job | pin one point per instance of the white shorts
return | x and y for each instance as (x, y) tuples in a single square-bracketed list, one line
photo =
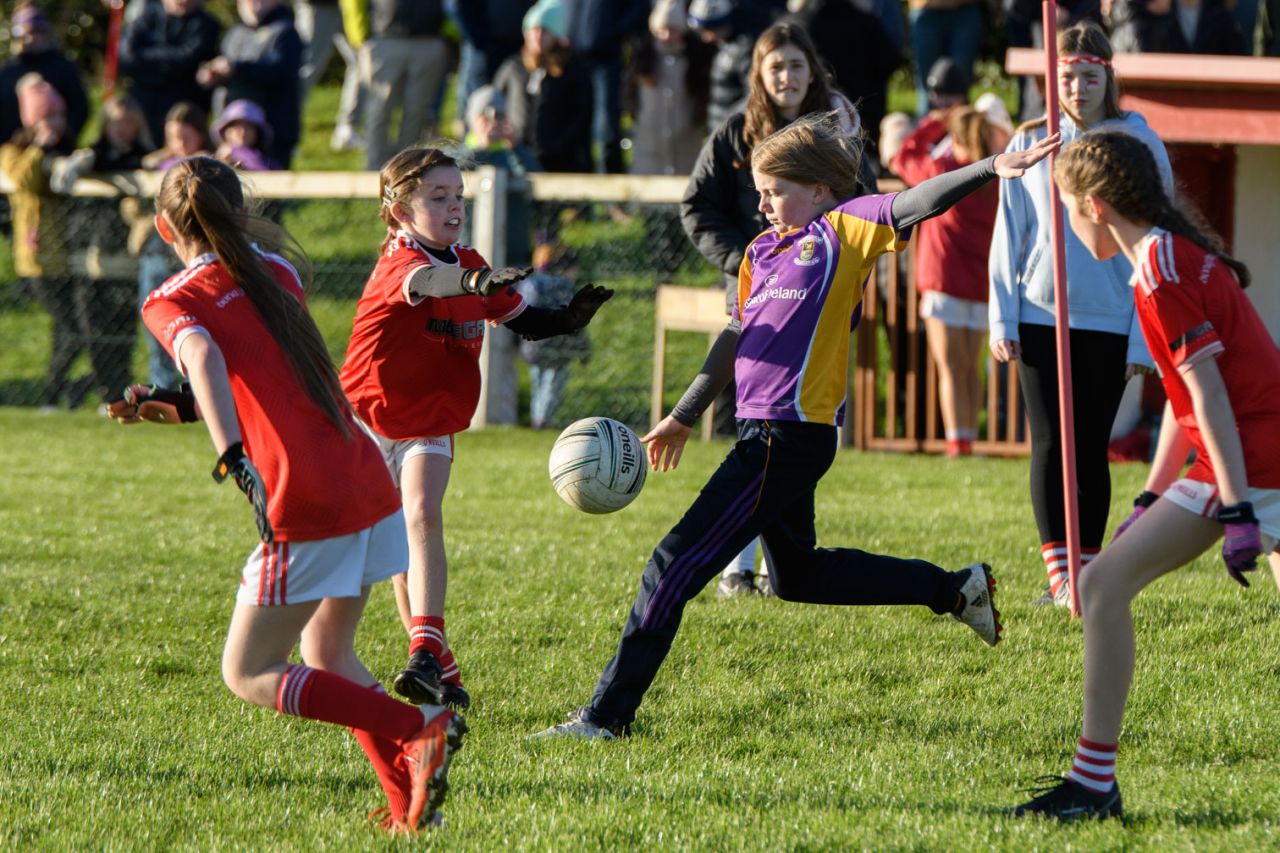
[(1202, 499), (952, 310), (293, 572), (395, 452)]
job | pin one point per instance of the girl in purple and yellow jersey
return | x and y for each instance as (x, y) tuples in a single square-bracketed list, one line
[(799, 294)]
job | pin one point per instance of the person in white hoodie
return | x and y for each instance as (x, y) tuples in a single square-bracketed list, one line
[(1107, 347)]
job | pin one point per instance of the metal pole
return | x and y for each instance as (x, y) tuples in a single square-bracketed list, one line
[(1066, 424)]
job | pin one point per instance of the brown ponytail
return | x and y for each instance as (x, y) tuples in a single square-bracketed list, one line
[(401, 176), (1118, 167), (203, 200)]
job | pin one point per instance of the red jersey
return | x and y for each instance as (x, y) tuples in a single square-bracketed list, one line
[(951, 255), (319, 483), (413, 364), (1191, 308)]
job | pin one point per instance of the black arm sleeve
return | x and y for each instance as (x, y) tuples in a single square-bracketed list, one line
[(534, 324), (939, 193), (714, 377)]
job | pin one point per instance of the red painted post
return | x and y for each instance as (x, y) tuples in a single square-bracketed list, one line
[(1061, 317), (111, 64)]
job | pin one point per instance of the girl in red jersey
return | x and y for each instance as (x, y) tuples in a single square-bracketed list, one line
[(1221, 372), (412, 374), (328, 515)]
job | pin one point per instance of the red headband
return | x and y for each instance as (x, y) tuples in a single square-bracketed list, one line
[(1074, 58)]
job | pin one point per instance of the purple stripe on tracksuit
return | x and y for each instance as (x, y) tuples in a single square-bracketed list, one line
[(678, 575)]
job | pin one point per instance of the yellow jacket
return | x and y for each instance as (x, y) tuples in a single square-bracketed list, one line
[(39, 240)]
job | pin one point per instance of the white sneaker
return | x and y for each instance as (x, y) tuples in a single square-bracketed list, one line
[(577, 726), (979, 611)]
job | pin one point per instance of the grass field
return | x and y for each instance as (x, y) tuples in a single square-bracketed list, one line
[(773, 726)]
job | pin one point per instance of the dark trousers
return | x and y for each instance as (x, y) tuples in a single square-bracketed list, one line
[(57, 295), (764, 487), (1097, 383)]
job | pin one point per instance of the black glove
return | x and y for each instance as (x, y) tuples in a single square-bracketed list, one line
[(234, 463), (152, 403), (486, 282), (586, 302)]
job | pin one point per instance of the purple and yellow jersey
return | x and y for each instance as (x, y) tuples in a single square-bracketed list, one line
[(799, 295)]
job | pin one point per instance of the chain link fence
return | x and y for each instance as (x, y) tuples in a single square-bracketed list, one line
[(71, 336)]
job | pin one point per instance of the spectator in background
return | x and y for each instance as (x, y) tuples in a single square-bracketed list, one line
[(669, 74), (1175, 26), (186, 134), (952, 28), (491, 142), (667, 89), (160, 52), (491, 34), (862, 42), (1026, 21), (105, 272), (1107, 344), (35, 50), (546, 88), (720, 207), (551, 286), (597, 30), (403, 62), (951, 255), (320, 25), (260, 61), (244, 136), (40, 229), (716, 23)]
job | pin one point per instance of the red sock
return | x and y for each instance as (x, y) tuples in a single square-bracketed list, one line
[(385, 755), (319, 695), (1054, 555), (1094, 766), (427, 632), (1087, 556), (450, 671)]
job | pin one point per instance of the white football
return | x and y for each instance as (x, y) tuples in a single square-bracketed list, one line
[(597, 465)]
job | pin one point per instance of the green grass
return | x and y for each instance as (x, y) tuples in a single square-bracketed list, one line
[(772, 726)]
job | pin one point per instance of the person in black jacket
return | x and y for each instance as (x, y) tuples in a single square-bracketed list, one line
[(1175, 26), (160, 52), (34, 49), (546, 89), (720, 208), (260, 62)]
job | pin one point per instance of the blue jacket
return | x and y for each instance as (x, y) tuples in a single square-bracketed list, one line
[(160, 54), (265, 61), (1021, 264)]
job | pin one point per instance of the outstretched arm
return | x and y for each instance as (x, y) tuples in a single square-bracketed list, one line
[(534, 324), (666, 441), (937, 195)]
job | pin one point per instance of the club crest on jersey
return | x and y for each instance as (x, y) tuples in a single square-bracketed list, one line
[(808, 248)]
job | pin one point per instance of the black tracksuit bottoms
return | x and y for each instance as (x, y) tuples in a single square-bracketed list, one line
[(764, 487), (1097, 384)]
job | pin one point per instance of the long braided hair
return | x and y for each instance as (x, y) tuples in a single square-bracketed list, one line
[(1119, 168), (203, 201)]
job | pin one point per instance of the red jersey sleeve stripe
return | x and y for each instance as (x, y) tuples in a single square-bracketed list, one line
[(510, 315)]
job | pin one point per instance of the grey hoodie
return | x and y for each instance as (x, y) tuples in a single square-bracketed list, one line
[(1021, 263)]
